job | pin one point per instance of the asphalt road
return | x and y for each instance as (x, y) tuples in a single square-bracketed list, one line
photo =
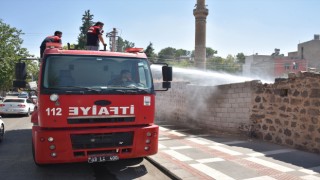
[(16, 161)]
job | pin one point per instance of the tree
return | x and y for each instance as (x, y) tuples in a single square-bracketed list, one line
[(215, 63), (10, 53), (128, 44), (123, 44), (228, 64), (241, 58), (86, 24), (181, 52), (210, 52), (150, 52), (167, 53)]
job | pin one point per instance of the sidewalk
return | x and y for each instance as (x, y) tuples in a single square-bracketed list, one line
[(191, 154)]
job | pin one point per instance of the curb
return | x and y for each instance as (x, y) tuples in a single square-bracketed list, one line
[(163, 169)]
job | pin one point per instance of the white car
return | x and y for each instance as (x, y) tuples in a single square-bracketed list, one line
[(23, 95), (16, 106), (1, 130)]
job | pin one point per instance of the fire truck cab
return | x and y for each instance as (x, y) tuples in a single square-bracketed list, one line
[(88, 112)]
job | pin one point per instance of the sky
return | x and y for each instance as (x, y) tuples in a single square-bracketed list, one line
[(233, 26)]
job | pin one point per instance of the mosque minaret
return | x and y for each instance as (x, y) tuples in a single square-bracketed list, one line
[(200, 13)]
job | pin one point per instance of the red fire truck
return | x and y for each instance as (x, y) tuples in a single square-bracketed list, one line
[(87, 112)]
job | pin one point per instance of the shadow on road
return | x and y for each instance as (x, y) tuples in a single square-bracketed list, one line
[(17, 163)]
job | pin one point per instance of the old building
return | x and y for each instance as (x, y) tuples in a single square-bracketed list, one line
[(310, 51), (259, 67), (276, 65), (283, 65)]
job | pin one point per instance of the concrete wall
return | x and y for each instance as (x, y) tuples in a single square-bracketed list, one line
[(286, 112), (310, 52), (259, 66), (224, 107)]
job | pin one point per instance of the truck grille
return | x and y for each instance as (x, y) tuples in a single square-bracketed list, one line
[(105, 140), (100, 120)]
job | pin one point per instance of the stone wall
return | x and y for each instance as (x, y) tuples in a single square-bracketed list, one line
[(286, 112)]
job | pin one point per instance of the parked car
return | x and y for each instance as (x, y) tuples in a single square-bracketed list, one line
[(23, 95), (1, 98), (16, 106), (12, 94), (1, 130)]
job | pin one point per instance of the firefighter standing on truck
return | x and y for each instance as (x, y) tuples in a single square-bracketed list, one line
[(94, 36), (56, 38)]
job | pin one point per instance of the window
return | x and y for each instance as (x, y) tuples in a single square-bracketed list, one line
[(295, 65), (286, 66), (84, 72)]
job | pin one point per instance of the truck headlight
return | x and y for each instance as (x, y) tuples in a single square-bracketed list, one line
[(50, 139), (54, 97)]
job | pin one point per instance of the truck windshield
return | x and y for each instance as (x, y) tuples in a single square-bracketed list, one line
[(92, 73)]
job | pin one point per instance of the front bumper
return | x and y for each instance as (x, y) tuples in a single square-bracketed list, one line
[(78, 145)]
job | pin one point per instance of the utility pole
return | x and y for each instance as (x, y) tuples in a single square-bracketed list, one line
[(113, 39), (200, 13)]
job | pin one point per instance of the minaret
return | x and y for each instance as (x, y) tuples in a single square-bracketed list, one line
[(200, 13)]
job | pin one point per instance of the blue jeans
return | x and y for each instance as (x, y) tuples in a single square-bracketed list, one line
[(92, 48)]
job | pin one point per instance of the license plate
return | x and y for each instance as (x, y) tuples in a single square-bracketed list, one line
[(93, 159)]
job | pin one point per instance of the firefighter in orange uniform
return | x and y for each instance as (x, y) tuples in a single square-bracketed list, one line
[(56, 38), (94, 36)]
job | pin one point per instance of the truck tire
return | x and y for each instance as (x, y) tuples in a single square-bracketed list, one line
[(28, 113), (1, 132)]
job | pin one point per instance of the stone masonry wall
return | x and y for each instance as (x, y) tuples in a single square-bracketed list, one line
[(287, 112)]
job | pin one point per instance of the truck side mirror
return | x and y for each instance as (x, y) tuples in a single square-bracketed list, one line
[(21, 75), (167, 73), (19, 84), (21, 71), (166, 85), (166, 77)]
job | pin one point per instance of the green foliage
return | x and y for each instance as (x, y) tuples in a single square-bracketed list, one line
[(167, 53), (180, 53), (173, 54), (241, 58), (228, 64), (10, 53), (210, 52), (182, 63), (150, 53), (33, 70), (123, 44), (86, 23), (215, 63)]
